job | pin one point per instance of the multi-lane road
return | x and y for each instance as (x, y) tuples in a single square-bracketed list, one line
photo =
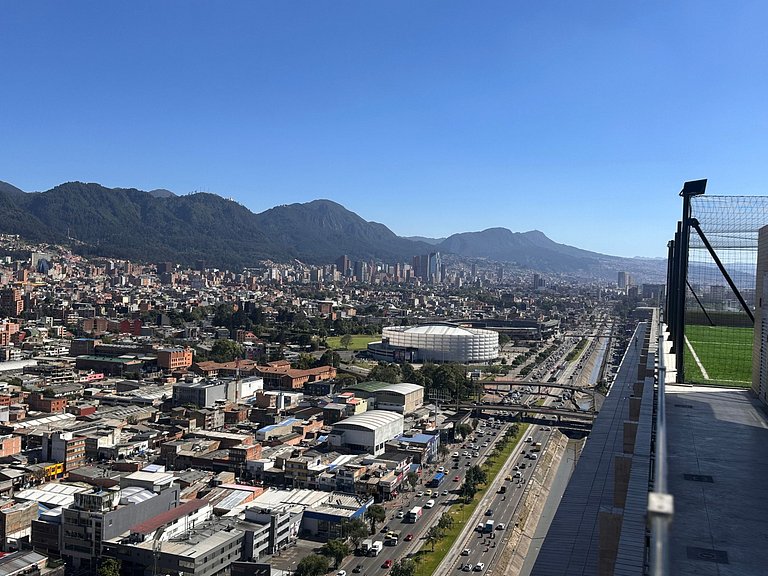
[(501, 506), (454, 469)]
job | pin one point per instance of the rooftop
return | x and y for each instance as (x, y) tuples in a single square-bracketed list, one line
[(371, 419)]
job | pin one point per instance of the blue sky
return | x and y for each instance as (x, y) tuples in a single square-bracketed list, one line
[(580, 119)]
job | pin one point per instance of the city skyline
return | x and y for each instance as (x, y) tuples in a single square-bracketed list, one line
[(432, 119)]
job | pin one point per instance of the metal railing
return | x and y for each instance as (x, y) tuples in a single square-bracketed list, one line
[(660, 503)]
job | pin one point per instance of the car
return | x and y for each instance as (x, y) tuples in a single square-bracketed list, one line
[(467, 567), (441, 469), (445, 492), (408, 537), (500, 526), (534, 457), (456, 479), (358, 569), (489, 512), (401, 514), (455, 455), (465, 552), (341, 573), (419, 494), (428, 493), (387, 564), (479, 567)]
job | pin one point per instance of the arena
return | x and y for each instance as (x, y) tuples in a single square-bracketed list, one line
[(435, 343)]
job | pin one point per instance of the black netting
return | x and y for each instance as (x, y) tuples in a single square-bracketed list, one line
[(718, 330)]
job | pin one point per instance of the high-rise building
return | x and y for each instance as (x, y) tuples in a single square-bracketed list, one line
[(11, 303), (343, 264), (622, 280), (538, 281), (429, 267)]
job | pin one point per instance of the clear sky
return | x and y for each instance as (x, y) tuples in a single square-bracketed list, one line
[(580, 119)]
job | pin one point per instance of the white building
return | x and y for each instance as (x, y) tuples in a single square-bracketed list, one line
[(435, 343), (403, 398), (367, 432)]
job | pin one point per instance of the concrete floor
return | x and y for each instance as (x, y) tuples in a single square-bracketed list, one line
[(718, 474)]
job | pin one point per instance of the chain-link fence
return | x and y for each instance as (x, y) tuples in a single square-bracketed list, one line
[(720, 288)]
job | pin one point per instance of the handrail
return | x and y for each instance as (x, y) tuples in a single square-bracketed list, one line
[(660, 503)]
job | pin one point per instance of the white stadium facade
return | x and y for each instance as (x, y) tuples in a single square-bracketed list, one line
[(435, 343)]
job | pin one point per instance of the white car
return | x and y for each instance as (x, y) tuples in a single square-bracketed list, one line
[(465, 552), (341, 573), (419, 494), (401, 514), (479, 567), (445, 492), (468, 567)]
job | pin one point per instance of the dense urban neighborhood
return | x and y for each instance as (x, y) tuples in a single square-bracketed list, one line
[(288, 418)]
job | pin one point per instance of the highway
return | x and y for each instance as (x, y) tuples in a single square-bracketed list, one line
[(480, 547), (407, 500)]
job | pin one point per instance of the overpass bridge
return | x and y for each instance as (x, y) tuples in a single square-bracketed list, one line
[(496, 383), (524, 410)]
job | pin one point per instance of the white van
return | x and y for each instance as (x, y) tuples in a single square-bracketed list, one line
[(429, 504)]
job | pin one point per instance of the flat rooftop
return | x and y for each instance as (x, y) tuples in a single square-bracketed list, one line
[(718, 465)]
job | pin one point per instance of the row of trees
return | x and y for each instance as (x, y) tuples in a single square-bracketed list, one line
[(449, 380)]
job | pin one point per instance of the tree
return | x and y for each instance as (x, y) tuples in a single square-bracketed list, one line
[(336, 549), (226, 350), (412, 478), (312, 565), (329, 358), (346, 340), (356, 530), (463, 430), (108, 567), (433, 536), (404, 567), (375, 513), (445, 522), (384, 372)]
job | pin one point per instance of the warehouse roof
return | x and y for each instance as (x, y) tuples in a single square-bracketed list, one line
[(402, 388), (371, 420)]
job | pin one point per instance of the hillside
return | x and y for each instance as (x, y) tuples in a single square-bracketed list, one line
[(159, 225)]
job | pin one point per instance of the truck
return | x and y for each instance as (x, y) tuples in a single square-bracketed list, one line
[(488, 528), (414, 513), (376, 547), (365, 547)]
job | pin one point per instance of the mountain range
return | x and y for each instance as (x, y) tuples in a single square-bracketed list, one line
[(159, 225)]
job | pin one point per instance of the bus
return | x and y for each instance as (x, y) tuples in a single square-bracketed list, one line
[(435, 482)]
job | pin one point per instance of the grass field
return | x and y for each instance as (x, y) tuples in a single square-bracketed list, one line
[(725, 353), (359, 342)]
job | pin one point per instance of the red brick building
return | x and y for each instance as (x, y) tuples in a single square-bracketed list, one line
[(132, 327), (174, 358), (42, 403), (7, 330), (10, 446)]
